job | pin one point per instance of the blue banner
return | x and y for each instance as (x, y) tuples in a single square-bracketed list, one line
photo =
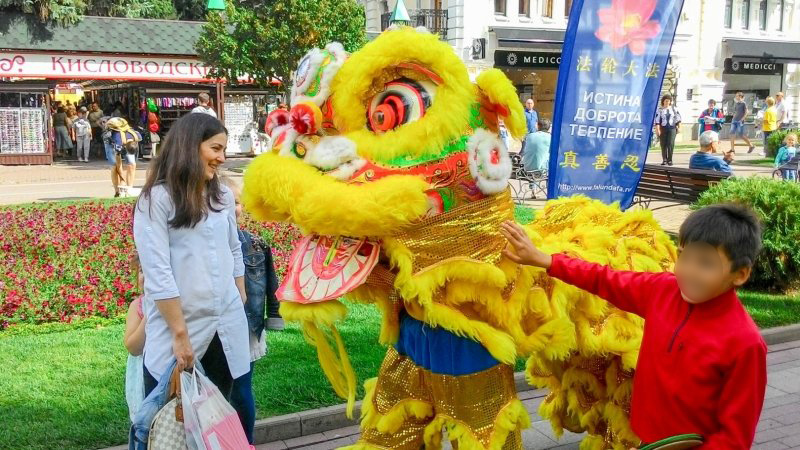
[(609, 83)]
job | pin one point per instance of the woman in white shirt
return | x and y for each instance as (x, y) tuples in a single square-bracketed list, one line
[(186, 236)]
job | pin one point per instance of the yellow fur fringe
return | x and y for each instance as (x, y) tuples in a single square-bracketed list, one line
[(447, 118), (394, 419), (337, 369), (512, 418), (285, 189), (495, 85)]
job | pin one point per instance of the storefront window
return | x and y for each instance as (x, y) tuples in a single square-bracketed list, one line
[(745, 14), (547, 8), (762, 15), (500, 7), (728, 13), (525, 8), (567, 7), (9, 100)]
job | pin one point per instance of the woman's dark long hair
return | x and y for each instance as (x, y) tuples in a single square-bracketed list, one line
[(178, 166)]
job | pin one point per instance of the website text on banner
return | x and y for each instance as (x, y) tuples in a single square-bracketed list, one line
[(612, 66)]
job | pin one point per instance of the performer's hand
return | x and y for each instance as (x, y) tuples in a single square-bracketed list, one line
[(521, 250)]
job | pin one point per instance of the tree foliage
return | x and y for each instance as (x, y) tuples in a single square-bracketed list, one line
[(68, 12), (265, 39)]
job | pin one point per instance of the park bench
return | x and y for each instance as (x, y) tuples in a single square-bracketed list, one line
[(527, 182), (674, 184)]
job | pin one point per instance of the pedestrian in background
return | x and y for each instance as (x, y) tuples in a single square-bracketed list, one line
[(62, 136), (781, 110), (531, 121), (770, 122), (737, 123), (668, 123), (83, 135), (712, 118), (204, 105)]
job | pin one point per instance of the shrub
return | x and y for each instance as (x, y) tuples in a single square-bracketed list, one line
[(777, 203), (68, 261), (775, 141)]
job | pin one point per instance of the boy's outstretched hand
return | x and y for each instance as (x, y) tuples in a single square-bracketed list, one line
[(521, 250)]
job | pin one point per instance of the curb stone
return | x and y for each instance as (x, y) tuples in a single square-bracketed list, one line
[(780, 335), (333, 417), (317, 421)]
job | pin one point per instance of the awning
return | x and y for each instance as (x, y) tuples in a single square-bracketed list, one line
[(763, 50), (528, 38), (100, 35)]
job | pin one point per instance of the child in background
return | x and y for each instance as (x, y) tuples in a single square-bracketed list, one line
[(786, 154), (83, 135), (260, 284), (134, 342), (702, 365)]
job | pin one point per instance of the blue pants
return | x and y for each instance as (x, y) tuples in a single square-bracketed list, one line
[(243, 402)]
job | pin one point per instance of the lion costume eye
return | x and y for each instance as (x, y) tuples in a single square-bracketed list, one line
[(402, 101)]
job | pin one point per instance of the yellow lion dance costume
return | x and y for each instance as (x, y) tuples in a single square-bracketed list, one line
[(391, 163)]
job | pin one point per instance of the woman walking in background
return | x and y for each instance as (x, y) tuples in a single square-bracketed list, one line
[(668, 124), (63, 140)]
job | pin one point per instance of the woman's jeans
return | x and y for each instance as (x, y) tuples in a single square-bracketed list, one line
[(667, 140)]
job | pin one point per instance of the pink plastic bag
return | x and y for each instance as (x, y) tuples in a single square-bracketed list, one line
[(210, 421)]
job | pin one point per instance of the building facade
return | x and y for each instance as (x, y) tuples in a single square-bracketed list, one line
[(721, 47)]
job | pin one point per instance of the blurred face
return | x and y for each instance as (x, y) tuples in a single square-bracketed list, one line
[(667, 102), (212, 154), (711, 105), (95, 107), (704, 273), (529, 103), (778, 98), (140, 280), (237, 194), (791, 141)]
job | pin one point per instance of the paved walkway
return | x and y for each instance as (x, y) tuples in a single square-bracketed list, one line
[(70, 180), (779, 427)]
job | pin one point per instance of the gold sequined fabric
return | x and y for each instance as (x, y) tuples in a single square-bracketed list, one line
[(475, 401), (468, 232)]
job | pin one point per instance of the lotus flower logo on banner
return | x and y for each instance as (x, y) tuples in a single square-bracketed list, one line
[(628, 22)]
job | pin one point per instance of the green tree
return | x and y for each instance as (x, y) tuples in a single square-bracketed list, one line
[(67, 12), (266, 39)]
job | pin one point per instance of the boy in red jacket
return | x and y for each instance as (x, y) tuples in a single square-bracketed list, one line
[(702, 366)]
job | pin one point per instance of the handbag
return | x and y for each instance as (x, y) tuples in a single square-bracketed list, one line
[(167, 431)]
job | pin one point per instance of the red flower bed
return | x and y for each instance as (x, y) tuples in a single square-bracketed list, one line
[(61, 262)]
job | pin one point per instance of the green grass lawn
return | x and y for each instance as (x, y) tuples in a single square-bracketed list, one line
[(65, 390), (761, 162)]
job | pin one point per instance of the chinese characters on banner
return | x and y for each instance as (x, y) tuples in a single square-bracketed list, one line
[(612, 66)]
